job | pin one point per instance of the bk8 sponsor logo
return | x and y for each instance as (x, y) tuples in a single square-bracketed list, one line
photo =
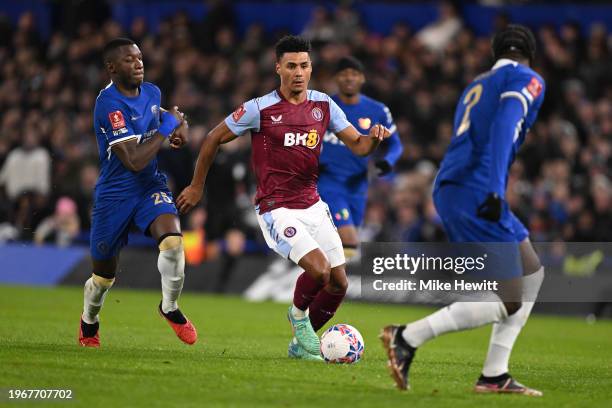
[(310, 139)]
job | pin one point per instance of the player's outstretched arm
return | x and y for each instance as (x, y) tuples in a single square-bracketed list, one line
[(363, 145), (136, 157), (192, 194)]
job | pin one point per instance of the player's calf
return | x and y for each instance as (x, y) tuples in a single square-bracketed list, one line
[(328, 300), (171, 265), (95, 290)]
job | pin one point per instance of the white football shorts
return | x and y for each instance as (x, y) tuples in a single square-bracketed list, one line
[(292, 233)]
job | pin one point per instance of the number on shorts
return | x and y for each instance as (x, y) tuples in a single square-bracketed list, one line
[(161, 197)]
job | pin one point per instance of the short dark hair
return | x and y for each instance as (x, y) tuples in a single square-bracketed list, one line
[(349, 62), (112, 45), (292, 43), (514, 39)]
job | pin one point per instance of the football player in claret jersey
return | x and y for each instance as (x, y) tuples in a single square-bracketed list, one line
[(130, 128), (286, 128), (492, 118), (343, 178)]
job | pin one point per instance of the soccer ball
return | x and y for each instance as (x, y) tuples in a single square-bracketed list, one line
[(342, 344)]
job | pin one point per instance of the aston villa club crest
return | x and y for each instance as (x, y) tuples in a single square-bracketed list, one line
[(290, 232), (364, 123), (317, 114)]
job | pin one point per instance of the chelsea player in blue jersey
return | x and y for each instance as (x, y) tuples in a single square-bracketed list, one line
[(130, 128), (492, 118), (343, 176)]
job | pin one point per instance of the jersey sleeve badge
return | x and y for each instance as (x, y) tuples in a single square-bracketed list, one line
[(534, 87), (364, 123), (116, 120), (238, 113)]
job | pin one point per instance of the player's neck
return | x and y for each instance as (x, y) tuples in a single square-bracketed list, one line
[(293, 97), (127, 90), (349, 99)]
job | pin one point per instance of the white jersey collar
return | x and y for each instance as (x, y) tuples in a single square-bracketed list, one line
[(503, 62)]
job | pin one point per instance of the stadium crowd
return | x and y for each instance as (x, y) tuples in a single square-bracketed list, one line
[(560, 185)]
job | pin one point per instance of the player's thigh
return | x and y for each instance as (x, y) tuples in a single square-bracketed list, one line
[(348, 235), (110, 223), (105, 268), (315, 264), (157, 207), (285, 234), (338, 281), (164, 224), (326, 235), (529, 257)]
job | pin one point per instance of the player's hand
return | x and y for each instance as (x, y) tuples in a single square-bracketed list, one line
[(379, 132), (170, 121), (491, 208), (383, 167), (174, 111), (180, 137), (188, 198)]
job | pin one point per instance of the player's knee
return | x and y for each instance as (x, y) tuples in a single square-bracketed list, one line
[(104, 273), (172, 241), (512, 307), (172, 256), (102, 282), (322, 271), (339, 284)]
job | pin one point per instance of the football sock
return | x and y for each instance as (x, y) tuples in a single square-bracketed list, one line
[(175, 316), (171, 265), (94, 293), (89, 330), (306, 289), (496, 379), (324, 306), (505, 332), (458, 316)]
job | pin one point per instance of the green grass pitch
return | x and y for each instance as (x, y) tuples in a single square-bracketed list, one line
[(240, 358)]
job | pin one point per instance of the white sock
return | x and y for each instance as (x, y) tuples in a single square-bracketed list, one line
[(94, 294), (458, 316), (297, 313), (505, 332), (171, 265)]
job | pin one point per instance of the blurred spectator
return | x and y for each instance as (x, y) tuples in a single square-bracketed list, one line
[(60, 228), (560, 184), (27, 168), (438, 34)]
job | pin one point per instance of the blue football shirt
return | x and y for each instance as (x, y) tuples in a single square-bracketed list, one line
[(344, 171), (492, 118), (118, 118)]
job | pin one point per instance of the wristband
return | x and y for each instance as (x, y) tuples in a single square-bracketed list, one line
[(168, 124)]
